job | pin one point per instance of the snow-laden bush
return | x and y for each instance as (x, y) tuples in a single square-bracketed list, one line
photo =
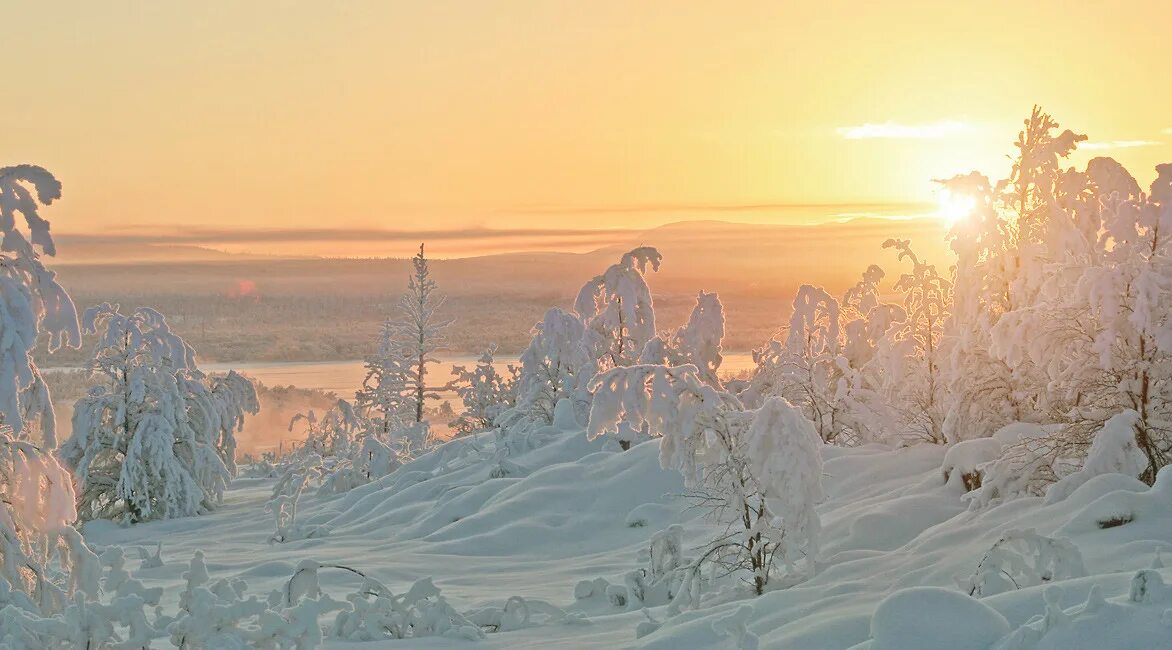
[(384, 399), (343, 450), (556, 365), (829, 362), (657, 582), (376, 613), (612, 323), (759, 470), (1114, 450), (617, 311), (1023, 558), (964, 461), (697, 342), (1032, 459), (286, 499)]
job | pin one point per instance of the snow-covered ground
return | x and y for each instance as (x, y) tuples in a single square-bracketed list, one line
[(890, 522)]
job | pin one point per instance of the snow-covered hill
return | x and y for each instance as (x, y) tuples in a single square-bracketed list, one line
[(571, 511)]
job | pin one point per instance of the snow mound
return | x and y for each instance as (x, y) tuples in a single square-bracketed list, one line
[(930, 618), (1147, 514)]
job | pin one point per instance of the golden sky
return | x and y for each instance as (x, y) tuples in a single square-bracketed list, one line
[(507, 114)]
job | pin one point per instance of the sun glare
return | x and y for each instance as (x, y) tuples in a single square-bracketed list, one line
[(954, 207)]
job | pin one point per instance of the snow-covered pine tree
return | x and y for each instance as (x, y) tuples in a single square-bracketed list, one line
[(384, 399), (421, 330), (36, 493), (484, 392), (617, 309)]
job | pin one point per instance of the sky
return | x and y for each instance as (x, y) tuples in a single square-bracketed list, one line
[(410, 117)]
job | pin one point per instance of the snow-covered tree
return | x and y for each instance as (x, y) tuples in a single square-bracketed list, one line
[(825, 362), (697, 342), (862, 411), (153, 438), (32, 301), (984, 392), (1034, 181), (485, 393), (232, 397), (617, 309), (36, 494), (132, 438), (1129, 296), (760, 470), (912, 363), (421, 331)]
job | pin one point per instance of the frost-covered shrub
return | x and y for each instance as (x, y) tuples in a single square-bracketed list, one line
[(829, 363), (484, 392), (1027, 467), (760, 468), (657, 582), (384, 398), (375, 613), (216, 614), (286, 498), (343, 450), (1023, 558)]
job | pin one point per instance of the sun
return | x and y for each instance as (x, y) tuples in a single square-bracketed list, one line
[(952, 207)]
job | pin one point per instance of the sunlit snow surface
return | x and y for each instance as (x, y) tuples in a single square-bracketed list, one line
[(889, 523)]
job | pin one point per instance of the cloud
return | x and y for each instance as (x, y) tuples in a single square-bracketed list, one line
[(1118, 144), (894, 131)]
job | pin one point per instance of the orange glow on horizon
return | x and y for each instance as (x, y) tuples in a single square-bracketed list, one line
[(450, 115)]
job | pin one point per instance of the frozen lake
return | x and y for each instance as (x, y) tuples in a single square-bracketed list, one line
[(345, 377)]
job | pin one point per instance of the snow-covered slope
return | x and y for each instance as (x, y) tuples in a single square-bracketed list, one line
[(573, 511)]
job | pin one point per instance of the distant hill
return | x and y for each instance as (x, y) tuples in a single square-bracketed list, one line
[(236, 307)]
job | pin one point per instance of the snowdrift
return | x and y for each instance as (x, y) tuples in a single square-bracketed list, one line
[(897, 538)]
